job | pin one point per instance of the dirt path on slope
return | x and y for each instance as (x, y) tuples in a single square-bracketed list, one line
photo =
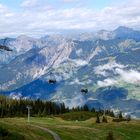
[(55, 136)]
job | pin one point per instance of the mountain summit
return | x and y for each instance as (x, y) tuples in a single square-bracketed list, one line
[(123, 29), (127, 33)]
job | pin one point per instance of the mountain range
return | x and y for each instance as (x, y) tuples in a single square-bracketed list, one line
[(106, 63)]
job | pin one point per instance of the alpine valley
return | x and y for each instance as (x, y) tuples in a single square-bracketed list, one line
[(107, 63)]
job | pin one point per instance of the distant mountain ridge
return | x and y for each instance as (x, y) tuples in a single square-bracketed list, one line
[(107, 63)]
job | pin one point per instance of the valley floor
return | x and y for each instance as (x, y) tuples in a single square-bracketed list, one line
[(69, 130)]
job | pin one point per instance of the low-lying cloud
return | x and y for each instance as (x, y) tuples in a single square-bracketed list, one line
[(129, 76), (102, 70), (120, 72), (76, 81), (107, 82)]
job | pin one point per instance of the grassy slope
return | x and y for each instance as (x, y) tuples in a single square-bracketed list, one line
[(77, 116), (19, 127), (73, 130), (88, 130)]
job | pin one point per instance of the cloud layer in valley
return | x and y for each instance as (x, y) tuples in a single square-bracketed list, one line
[(120, 72)]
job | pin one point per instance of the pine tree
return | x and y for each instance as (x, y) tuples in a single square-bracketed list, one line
[(97, 119), (44, 113), (111, 114), (62, 108), (86, 108), (120, 115), (93, 110), (128, 117)]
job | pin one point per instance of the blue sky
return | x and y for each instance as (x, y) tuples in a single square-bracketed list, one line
[(96, 4), (11, 3), (37, 17)]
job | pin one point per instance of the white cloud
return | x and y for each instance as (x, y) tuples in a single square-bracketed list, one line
[(77, 100), (79, 52), (3, 8), (28, 3), (16, 96), (80, 62), (4, 12), (70, 1), (76, 81), (129, 76), (107, 82), (121, 74), (44, 17), (102, 69)]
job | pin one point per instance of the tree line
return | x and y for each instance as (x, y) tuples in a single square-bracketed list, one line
[(18, 108)]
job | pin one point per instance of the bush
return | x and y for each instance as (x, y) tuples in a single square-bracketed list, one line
[(120, 115), (128, 118), (97, 119), (6, 135), (119, 120), (110, 136), (104, 119), (3, 132)]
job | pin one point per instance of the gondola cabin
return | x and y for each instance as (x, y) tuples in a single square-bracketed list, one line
[(51, 81), (84, 91)]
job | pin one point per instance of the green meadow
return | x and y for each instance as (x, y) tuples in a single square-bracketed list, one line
[(69, 126)]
